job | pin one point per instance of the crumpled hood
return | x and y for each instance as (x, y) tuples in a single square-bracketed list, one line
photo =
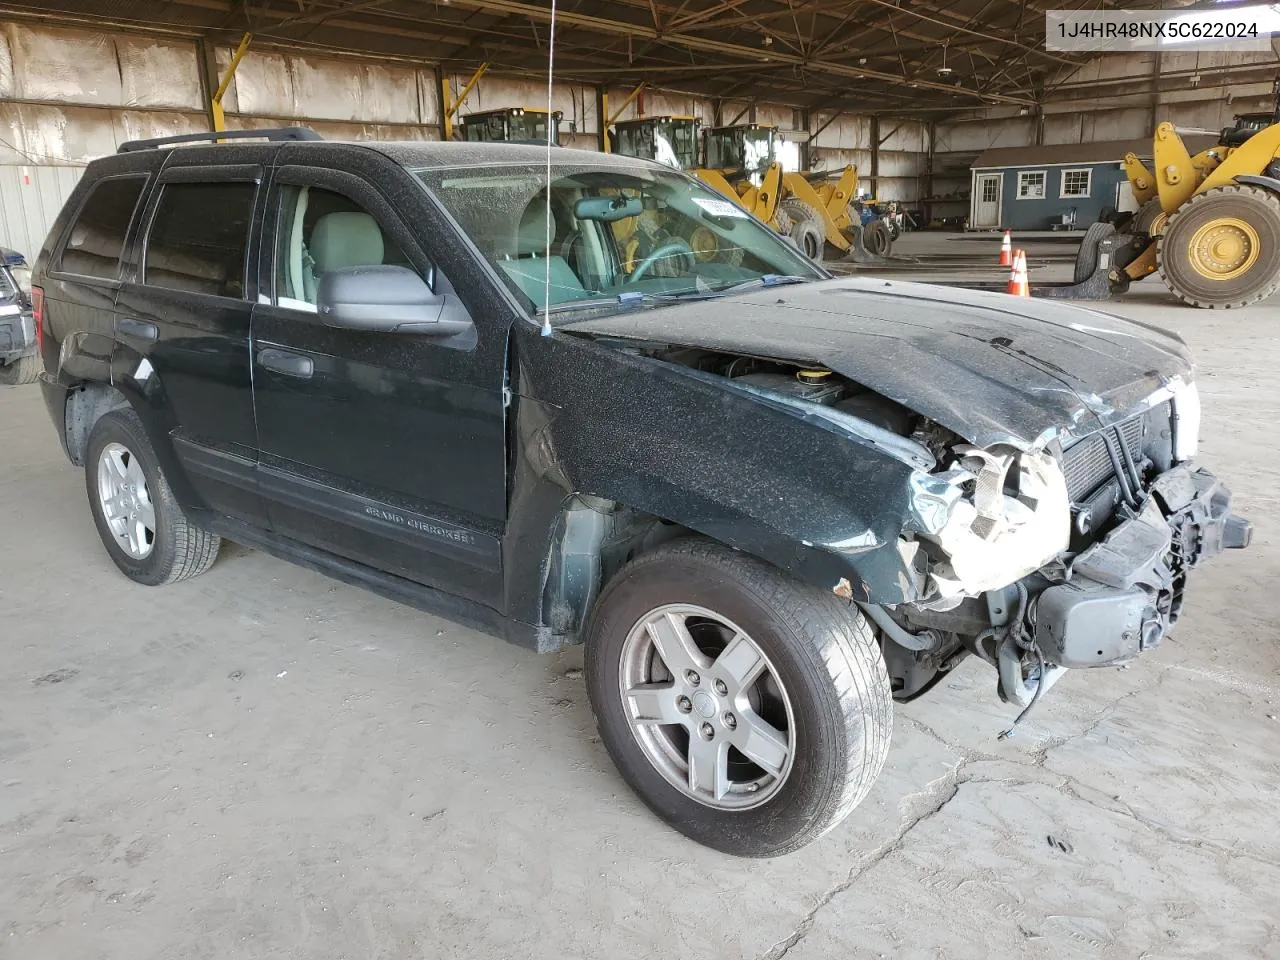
[(992, 368)]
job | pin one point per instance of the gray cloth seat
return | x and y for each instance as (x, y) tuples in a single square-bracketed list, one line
[(340, 240), (529, 268)]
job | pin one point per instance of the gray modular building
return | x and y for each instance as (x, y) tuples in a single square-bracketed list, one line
[(1034, 188)]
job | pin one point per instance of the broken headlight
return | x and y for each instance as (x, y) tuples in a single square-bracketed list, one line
[(1186, 420), (995, 517)]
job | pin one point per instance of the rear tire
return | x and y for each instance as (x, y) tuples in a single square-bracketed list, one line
[(1087, 257), (807, 228), (23, 370), (144, 530), (1221, 249), (817, 658)]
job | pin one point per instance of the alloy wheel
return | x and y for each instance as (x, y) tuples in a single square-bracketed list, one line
[(125, 501), (707, 707)]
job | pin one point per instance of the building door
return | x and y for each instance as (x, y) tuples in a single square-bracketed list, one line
[(986, 204)]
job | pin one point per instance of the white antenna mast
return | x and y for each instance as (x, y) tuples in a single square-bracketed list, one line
[(551, 130)]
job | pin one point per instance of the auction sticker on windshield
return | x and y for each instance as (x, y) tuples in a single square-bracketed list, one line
[(720, 208)]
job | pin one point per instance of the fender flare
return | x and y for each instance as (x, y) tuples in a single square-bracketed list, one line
[(1255, 180)]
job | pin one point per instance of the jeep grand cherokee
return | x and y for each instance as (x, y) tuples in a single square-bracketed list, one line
[(608, 407)]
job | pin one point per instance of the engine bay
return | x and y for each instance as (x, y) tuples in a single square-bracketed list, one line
[(814, 384)]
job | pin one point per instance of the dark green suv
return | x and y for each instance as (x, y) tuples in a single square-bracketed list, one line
[(565, 397)]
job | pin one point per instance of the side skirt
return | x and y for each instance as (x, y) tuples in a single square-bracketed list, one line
[(416, 595)]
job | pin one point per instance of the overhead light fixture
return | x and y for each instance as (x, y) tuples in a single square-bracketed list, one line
[(944, 70)]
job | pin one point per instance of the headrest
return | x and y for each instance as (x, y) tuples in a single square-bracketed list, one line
[(531, 237), (347, 239)]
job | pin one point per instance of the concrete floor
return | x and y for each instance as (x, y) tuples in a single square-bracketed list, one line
[(264, 763)]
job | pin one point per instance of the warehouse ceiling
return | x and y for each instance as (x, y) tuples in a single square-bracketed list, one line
[(890, 55)]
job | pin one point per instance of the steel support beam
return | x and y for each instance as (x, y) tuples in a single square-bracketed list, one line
[(630, 99), (215, 102), (602, 128), (573, 19), (875, 153), (449, 104)]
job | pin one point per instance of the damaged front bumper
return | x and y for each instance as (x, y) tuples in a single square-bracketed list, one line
[(1123, 594), (1103, 605)]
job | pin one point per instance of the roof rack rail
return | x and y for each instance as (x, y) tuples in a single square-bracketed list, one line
[(278, 133)]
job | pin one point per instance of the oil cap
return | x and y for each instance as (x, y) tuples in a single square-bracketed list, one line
[(812, 376)]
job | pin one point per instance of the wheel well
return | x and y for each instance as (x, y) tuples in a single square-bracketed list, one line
[(85, 406), (592, 540)]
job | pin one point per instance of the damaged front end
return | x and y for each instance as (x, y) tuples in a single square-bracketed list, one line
[(1074, 554)]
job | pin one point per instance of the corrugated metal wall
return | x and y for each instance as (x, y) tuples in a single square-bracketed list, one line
[(70, 95), (30, 198)]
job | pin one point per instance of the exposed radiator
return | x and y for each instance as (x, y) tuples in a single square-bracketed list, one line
[(1088, 466)]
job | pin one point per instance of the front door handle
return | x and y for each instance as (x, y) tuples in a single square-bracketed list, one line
[(290, 364), (142, 329)]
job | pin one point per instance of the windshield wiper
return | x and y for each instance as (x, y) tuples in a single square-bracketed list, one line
[(635, 298), (765, 280), (628, 298)]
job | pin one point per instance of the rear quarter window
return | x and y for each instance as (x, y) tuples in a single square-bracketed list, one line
[(97, 236), (199, 238)]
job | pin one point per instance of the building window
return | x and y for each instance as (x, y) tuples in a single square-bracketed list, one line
[(990, 189), (1031, 185), (1076, 183)]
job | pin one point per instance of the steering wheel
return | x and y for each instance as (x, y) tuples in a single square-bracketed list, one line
[(671, 247)]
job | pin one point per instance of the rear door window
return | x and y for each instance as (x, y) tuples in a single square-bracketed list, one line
[(97, 237), (199, 238)]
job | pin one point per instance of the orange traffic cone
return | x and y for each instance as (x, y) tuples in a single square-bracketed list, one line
[(1006, 250), (1018, 285)]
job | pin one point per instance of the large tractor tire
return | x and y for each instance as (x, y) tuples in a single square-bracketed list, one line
[(1221, 249), (1150, 218), (23, 370), (807, 228), (710, 247), (877, 237), (1087, 256)]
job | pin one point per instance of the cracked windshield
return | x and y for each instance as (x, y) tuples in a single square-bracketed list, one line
[(619, 236)]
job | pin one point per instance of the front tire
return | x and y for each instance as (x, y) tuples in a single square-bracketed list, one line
[(749, 711), (1221, 249), (140, 523), (806, 228)]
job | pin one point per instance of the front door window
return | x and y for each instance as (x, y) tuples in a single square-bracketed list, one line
[(321, 230)]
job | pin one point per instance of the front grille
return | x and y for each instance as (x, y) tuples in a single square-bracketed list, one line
[(1087, 465)]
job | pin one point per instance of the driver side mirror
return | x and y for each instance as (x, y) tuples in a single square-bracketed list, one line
[(387, 299)]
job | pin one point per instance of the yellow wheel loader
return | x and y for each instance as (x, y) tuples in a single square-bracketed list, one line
[(741, 162), (670, 138), (1210, 223), (511, 125), (812, 208)]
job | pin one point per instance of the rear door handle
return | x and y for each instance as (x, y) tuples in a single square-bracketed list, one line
[(142, 329), (290, 364)]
